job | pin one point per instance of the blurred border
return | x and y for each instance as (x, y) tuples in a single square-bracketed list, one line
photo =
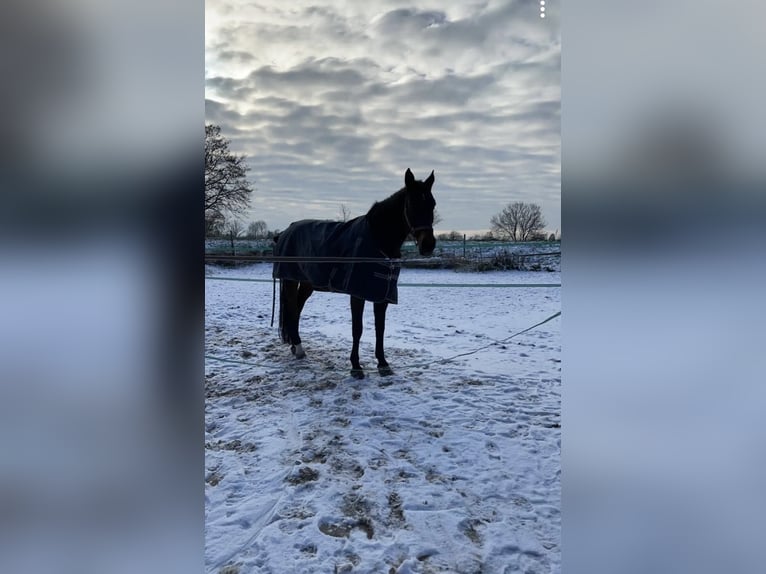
[(101, 286), (663, 266)]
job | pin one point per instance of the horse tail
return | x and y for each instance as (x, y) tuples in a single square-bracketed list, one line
[(275, 239), (273, 301), (281, 315), (281, 318)]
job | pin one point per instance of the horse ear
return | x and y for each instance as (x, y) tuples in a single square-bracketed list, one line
[(409, 179), (430, 179)]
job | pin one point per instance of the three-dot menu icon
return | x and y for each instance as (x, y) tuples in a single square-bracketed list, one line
[(542, 8)]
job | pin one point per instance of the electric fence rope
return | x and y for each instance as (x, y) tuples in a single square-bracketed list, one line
[(437, 285), (250, 364), (273, 259)]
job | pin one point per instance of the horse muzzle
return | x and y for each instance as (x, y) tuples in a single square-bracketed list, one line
[(425, 241)]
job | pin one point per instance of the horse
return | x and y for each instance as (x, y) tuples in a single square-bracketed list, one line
[(379, 234)]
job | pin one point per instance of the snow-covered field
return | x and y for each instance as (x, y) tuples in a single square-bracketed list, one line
[(449, 467)]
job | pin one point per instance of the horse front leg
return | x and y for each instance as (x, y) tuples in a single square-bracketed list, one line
[(357, 312), (380, 330)]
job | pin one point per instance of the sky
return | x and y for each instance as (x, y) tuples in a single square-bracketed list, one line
[(332, 101)]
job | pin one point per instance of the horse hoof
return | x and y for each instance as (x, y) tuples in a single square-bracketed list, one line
[(385, 371), (298, 351), (357, 373)]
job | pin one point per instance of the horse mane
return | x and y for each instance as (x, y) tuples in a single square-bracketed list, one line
[(386, 220), (389, 205)]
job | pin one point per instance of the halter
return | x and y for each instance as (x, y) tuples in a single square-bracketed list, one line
[(414, 229)]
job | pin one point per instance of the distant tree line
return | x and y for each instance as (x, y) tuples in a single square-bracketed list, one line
[(457, 236), (236, 230), (518, 221)]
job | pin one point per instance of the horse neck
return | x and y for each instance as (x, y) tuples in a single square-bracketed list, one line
[(388, 225)]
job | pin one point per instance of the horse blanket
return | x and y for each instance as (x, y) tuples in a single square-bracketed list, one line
[(374, 282)]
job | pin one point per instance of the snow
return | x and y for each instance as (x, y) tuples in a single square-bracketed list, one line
[(449, 467)]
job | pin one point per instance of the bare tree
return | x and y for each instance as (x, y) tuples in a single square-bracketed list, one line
[(227, 190), (214, 226), (345, 214), (519, 221), (234, 228), (257, 229), (233, 231)]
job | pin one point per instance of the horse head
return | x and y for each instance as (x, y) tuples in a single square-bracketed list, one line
[(419, 211)]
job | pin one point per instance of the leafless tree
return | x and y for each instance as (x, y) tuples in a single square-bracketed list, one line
[(214, 226), (345, 214), (227, 190), (233, 231), (234, 228), (519, 221), (257, 229)]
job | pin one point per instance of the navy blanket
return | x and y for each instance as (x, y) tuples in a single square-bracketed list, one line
[(374, 282)]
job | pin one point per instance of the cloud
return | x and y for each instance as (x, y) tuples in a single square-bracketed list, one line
[(236, 56), (333, 101), (313, 75), (408, 21)]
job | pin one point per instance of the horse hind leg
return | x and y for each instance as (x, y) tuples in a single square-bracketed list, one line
[(304, 291), (298, 351), (289, 316), (283, 297)]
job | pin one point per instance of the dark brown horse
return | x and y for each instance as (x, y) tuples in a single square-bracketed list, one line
[(379, 234)]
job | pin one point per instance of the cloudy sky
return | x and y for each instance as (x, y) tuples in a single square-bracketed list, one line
[(332, 101)]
